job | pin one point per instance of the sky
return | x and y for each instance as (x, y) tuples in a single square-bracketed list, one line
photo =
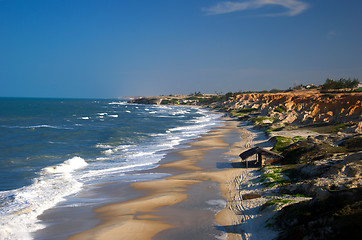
[(119, 48)]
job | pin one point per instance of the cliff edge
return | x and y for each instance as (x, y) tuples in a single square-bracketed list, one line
[(302, 107)]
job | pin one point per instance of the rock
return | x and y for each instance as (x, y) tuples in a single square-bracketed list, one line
[(330, 113), (353, 170), (322, 194), (248, 196), (335, 170), (359, 128), (311, 139), (289, 105), (267, 121)]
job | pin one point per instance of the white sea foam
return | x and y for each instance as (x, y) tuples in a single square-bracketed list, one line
[(21, 207), (217, 202), (108, 151), (193, 130), (18, 217), (67, 166), (37, 126), (100, 145), (47, 126), (102, 158), (117, 103)]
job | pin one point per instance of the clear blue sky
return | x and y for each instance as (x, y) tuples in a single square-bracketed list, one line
[(115, 48)]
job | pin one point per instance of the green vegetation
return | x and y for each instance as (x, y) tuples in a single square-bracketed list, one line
[(340, 127), (274, 90), (280, 109), (241, 112), (300, 195), (275, 128), (235, 113), (298, 138), (340, 84), (282, 142), (206, 100), (169, 101), (260, 120), (331, 128), (196, 94), (273, 177), (247, 110)]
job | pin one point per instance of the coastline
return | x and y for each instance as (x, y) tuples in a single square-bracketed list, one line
[(199, 191), (199, 199)]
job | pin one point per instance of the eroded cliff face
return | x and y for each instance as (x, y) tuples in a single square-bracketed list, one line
[(303, 107)]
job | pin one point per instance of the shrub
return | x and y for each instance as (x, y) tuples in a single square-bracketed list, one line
[(279, 110), (341, 83)]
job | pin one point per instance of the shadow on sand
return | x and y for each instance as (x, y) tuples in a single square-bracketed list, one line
[(224, 165)]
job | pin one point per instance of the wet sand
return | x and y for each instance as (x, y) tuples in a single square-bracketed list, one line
[(200, 200)]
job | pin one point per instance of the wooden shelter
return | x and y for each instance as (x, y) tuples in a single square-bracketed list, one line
[(259, 152)]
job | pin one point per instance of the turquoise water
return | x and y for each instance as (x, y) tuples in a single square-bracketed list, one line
[(53, 148)]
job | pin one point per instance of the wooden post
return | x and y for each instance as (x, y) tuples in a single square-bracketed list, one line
[(260, 159)]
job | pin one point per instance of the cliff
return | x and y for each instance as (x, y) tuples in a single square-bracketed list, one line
[(304, 107)]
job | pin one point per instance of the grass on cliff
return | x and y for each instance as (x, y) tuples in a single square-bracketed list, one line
[(242, 112), (280, 109), (283, 142), (259, 120), (330, 128), (273, 176)]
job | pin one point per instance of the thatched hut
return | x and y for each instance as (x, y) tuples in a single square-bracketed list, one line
[(259, 152)]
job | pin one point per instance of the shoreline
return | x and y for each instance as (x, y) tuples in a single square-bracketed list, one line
[(203, 171)]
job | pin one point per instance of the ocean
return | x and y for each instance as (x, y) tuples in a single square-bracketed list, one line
[(52, 149)]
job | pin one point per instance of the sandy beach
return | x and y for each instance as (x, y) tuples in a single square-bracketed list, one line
[(201, 199)]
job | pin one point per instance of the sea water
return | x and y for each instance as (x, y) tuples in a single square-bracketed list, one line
[(51, 149)]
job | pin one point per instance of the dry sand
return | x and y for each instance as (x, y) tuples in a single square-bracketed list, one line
[(169, 207)]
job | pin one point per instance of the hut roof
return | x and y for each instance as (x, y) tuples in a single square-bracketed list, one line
[(255, 150)]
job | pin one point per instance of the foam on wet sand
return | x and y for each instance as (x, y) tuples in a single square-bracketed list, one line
[(180, 206)]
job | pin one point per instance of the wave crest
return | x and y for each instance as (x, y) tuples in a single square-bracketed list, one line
[(67, 166)]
